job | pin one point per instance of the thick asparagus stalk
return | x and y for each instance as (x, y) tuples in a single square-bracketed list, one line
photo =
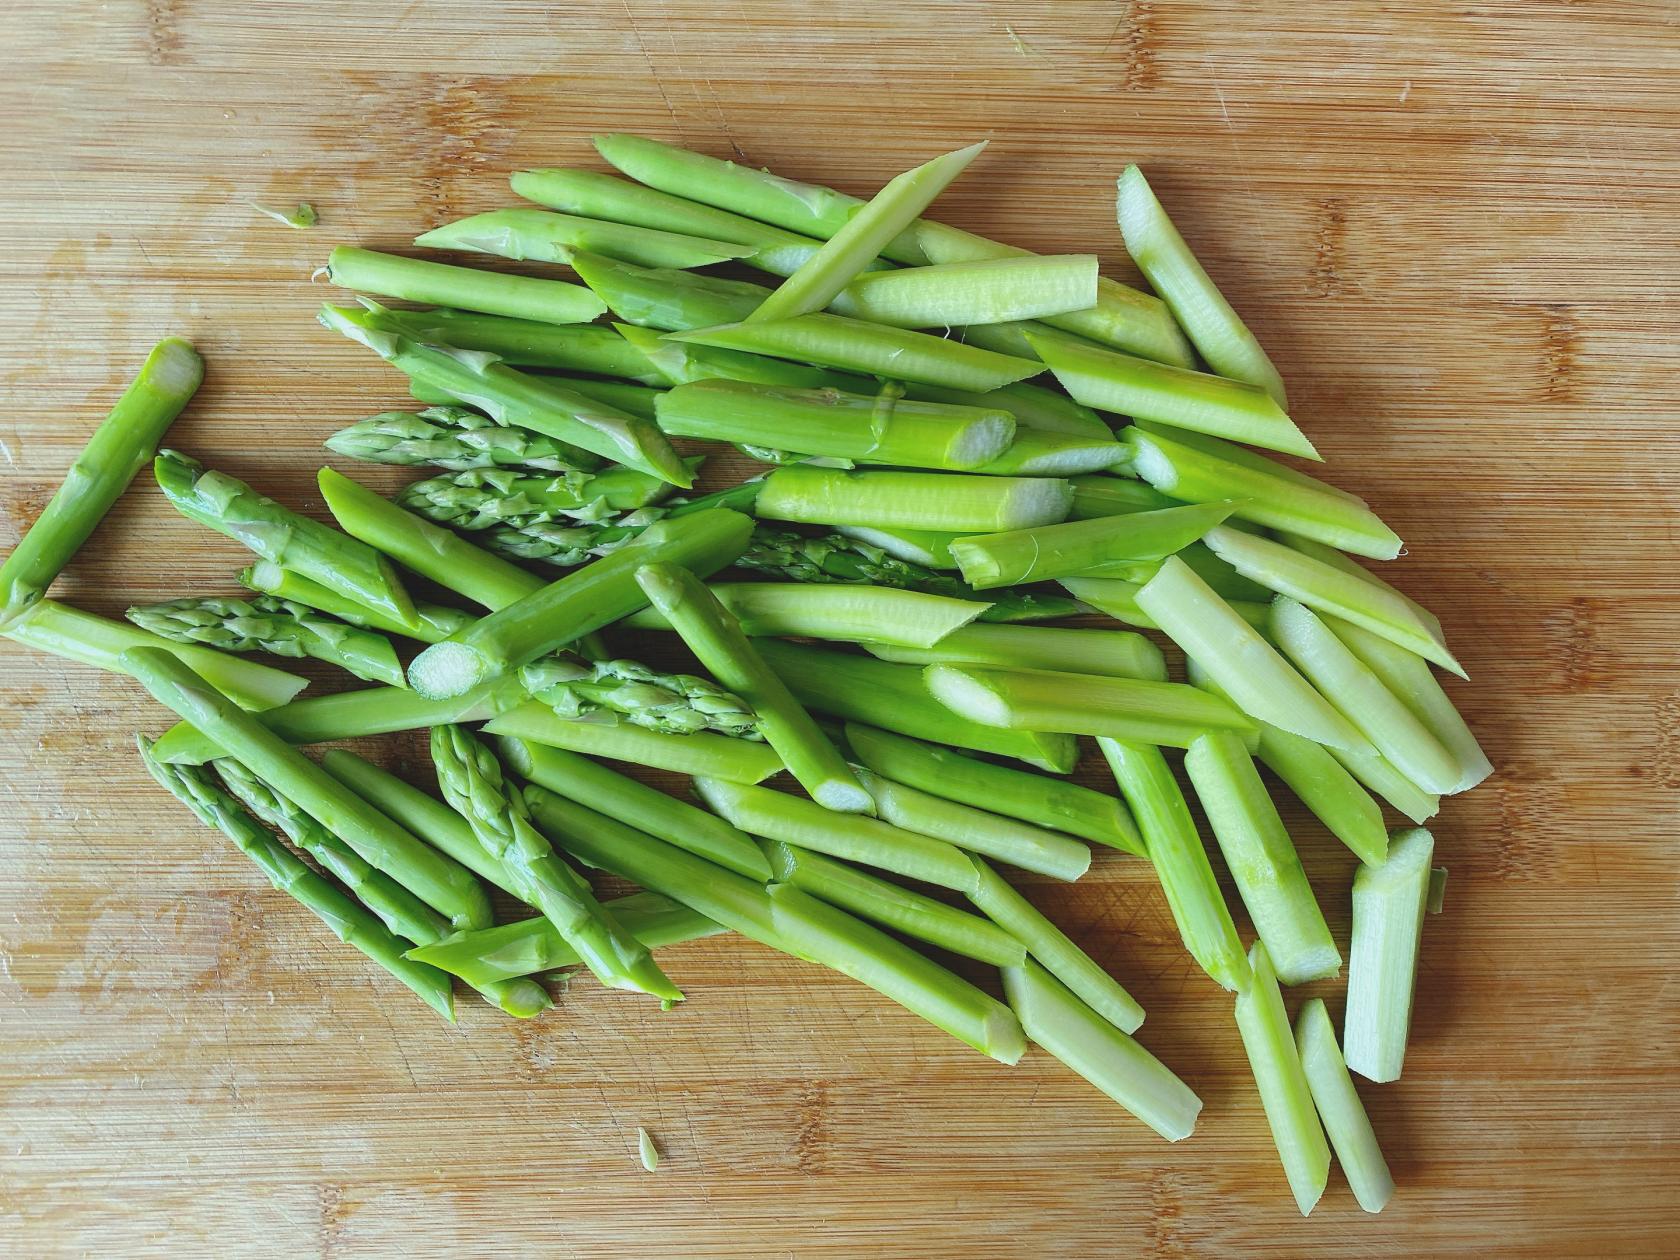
[(1338, 1104), (457, 439), (344, 565), (739, 760), (118, 449), (542, 236), (953, 502), (352, 923), (676, 704), (984, 291), (1225, 581), (266, 624), (50, 626), (1118, 653), (528, 343), (471, 780), (480, 499), (432, 622), (439, 284), (1389, 903), (910, 619), (1087, 548)]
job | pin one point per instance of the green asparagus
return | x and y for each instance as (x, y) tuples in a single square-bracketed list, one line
[(266, 624), (529, 343), (439, 284), (982, 291), (952, 502), (487, 497), (911, 619), (1082, 548), (677, 704), (431, 621), (740, 760), (541, 236), (1118, 653), (1389, 902), (457, 439)]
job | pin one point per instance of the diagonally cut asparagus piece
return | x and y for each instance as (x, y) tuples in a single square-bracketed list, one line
[(543, 236), (432, 622), (1086, 548), (738, 760), (911, 619), (950, 502), (529, 343), (1338, 1104), (981, 291), (1118, 653), (439, 284)]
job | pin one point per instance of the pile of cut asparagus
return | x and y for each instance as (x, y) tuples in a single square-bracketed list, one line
[(864, 619)]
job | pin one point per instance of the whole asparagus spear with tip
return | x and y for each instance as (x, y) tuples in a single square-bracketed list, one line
[(457, 439), (499, 496), (675, 704), (266, 624)]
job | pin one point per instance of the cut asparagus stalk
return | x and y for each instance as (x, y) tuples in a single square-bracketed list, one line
[(119, 448), (440, 882), (1098, 495), (49, 626), (1094, 1048), (1005, 839), (439, 284), (865, 233), (882, 901), (985, 291), (533, 946), (1338, 1104), (641, 401), (908, 619), (1081, 547), (1117, 653), (542, 236), (271, 625), (1388, 908), (715, 637), (1347, 564), (432, 622), (1039, 454), (1373, 770), (853, 345), (949, 502), (1118, 599), (587, 599), (1410, 679), (1198, 469), (884, 429), (913, 546), (1179, 858), (1197, 304), (351, 922), (664, 298), (785, 919), (1051, 803), (457, 439), (737, 760), (1085, 704), (530, 343), (1261, 859), (1344, 680), (894, 697), (1225, 581), (1033, 407), (509, 395), (1110, 381), (1282, 1082), (776, 815), (679, 363), (1054, 951), (229, 506), (1236, 656)]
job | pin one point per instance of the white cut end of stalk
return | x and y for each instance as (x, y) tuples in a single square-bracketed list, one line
[(847, 798), (446, 670), (1005, 1040), (1074, 461), (967, 696), (1152, 466), (174, 368), (982, 442), (1304, 966), (1037, 501)]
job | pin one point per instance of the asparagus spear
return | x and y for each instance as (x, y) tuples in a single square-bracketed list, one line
[(1196, 302), (457, 439), (1117, 598), (545, 237), (1033, 407), (1326, 554), (1118, 653), (530, 343), (677, 704), (471, 780), (663, 297), (441, 883), (954, 502), (910, 619), (432, 622), (1225, 581), (983, 291), (679, 363), (266, 624), (1389, 903), (1101, 495), (400, 910), (740, 760), (50, 626), (229, 506), (1036, 453), (439, 284), (479, 499), (1082, 548), (1338, 1104), (118, 449), (350, 922)]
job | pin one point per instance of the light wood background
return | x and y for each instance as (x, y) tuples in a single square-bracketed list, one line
[(1455, 226)]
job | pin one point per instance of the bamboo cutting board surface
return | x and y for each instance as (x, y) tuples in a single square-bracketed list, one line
[(1455, 229)]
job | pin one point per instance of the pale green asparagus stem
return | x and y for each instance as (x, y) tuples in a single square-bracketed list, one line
[(911, 619), (1082, 548), (439, 284), (951, 502), (1118, 653), (1345, 1121), (740, 760), (1389, 902), (545, 237), (982, 291)]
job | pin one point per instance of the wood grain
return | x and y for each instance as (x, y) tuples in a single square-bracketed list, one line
[(1456, 229)]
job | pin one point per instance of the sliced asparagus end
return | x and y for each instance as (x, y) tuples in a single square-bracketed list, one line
[(964, 694), (447, 669)]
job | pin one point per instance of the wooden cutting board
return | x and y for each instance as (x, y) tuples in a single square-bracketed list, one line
[(1454, 227)]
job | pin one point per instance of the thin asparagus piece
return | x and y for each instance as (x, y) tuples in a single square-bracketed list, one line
[(787, 920), (895, 698), (457, 439), (439, 881), (1389, 903), (679, 363), (119, 448), (1247, 668), (1094, 1048), (1100, 495), (587, 599), (1203, 469), (266, 624), (952, 502), (1337, 559), (909, 619), (1350, 685), (1345, 1121), (1261, 859), (499, 496), (1117, 653), (1003, 839), (1282, 1082), (675, 704), (533, 946), (344, 565), (432, 622), (1225, 581), (1087, 548), (1118, 599), (739, 760), (529, 343), (640, 401), (542, 236), (663, 297), (1051, 803), (439, 284), (1054, 951), (1035, 453), (400, 910), (791, 819), (351, 922), (854, 345), (49, 626), (882, 901), (855, 243), (984, 291), (1084, 704), (1033, 407), (1110, 381), (1196, 302), (884, 428), (1373, 770), (471, 780), (1181, 861)]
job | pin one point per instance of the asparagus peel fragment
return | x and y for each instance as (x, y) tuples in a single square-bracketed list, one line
[(273, 625), (440, 284)]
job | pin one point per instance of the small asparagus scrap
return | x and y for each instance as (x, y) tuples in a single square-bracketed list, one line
[(303, 216)]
